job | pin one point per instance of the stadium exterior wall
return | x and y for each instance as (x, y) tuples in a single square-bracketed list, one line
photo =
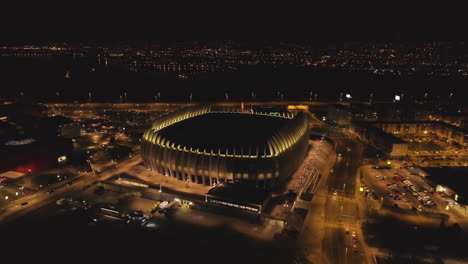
[(264, 168)]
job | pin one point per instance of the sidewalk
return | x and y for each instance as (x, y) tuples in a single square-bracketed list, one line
[(312, 233), (167, 182), (311, 162)]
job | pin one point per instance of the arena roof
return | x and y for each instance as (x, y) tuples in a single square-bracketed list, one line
[(225, 131)]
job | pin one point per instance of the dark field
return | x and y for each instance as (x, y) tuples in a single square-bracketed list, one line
[(47, 234), (42, 78)]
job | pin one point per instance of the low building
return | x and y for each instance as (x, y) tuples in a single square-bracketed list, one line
[(451, 181), (339, 114), (386, 142), (29, 140), (241, 196), (445, 131)]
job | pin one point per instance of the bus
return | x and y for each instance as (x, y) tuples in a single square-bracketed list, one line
[(110, 211)]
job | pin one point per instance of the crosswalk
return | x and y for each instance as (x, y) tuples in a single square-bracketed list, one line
[(351, 227)]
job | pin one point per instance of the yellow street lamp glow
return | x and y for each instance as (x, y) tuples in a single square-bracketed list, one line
[(361, 189), (447, 207), (456, 197), (389, 162)]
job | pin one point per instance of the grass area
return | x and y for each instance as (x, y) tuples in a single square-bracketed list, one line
[(373, 154), (424, 146), (11, 197), (45, 179), (403, 238), (117, 152), (113, 194), (406, 260), (428, 214), (307, 196), (301, 211)]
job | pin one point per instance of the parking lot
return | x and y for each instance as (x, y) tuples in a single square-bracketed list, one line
[(403, 188)]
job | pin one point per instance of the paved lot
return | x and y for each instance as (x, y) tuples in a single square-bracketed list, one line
[(399, 187)]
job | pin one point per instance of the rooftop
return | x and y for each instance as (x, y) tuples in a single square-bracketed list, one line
[(239, 193), (453, 177)]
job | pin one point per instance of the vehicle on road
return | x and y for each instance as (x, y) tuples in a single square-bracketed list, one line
[(51, 191), (24, 203), (5, 179)]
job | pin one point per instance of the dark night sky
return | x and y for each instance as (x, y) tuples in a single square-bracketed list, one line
[(44, 21)]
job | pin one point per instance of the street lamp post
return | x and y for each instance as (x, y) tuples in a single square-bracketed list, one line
[(160, 190), (91, 166)]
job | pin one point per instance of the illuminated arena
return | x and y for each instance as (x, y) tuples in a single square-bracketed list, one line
[(209, 145)]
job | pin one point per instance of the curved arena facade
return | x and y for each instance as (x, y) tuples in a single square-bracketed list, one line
[(209, 145)]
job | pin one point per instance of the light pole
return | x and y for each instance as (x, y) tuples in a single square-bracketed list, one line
[(91, 166), (160, 190)]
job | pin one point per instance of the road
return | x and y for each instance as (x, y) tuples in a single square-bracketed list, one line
[(341, 209), (42, 197)]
